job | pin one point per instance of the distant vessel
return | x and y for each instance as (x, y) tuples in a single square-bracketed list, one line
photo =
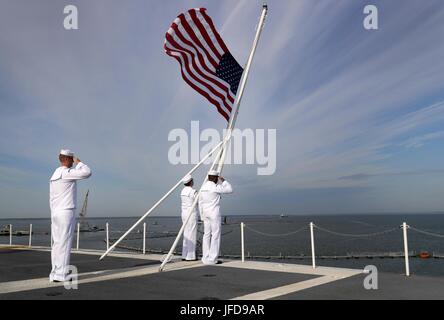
[(224, 221), (284, 215), (5, 232), (84, 225)]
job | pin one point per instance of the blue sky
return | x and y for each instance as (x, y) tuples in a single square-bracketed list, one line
[(359, 114)]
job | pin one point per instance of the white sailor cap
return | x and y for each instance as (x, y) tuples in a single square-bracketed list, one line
[(213, 173), (67, 152), (187, 179)]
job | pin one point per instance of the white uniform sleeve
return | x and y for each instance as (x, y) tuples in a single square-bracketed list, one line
[(199, 208), (224, 187), (197, 203), (81, 171), (50, 202)]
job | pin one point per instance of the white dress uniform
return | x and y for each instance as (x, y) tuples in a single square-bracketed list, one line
[(210, 212), (62, 201), (187, 196)]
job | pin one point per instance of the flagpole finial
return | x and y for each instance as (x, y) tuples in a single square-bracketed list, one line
[(265, 6)]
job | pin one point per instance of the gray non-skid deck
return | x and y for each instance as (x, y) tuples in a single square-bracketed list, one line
[(194, 284), (390, 287), (22, 265), (24, 275)]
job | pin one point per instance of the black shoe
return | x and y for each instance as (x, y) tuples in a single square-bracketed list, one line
[(219, 262)]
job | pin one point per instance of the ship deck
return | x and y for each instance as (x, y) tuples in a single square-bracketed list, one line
[(24, 275)]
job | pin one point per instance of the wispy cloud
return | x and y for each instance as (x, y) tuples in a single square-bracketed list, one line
[(365, 176), (419, 141)]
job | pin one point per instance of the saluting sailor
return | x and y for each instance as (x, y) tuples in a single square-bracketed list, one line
[(210, 211), (62, 202), (187, 196)]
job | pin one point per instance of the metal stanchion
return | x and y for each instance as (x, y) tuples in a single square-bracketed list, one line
[(30, 235), (242, 241), (406, 249), (313, 258), (144, 237), (107, 236), (78, 234)]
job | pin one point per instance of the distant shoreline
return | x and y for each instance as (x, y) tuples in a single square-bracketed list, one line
[(255, 215)]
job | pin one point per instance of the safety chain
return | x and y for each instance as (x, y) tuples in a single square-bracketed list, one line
[(112, 230), (427, 232), (273, 234), (169, 234), (357, 235)]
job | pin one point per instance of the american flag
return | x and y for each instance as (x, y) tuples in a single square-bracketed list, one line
[(206, 64)]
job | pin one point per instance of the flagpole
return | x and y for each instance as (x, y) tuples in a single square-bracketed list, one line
[(219, 145), (243, 82), (220, 158)]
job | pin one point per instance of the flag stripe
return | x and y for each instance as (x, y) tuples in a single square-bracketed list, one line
[(210, 32), (205, 35), (195, 86), (214, 60), (183, 36), (203, 11), (202, 92), (216, 97), (177, 43), (205, 62), (197, 77)]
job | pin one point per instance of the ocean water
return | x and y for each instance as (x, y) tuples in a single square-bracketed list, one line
[(273, 236)]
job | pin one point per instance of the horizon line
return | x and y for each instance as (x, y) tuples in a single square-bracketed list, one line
[(238, 215)]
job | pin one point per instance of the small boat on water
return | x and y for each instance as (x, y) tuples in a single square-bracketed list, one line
[(5, 232), (284, 215), (91, 229), (84, 225)]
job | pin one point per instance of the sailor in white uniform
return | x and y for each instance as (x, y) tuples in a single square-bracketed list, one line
[(62, 201), (210, 212), (187, 196)]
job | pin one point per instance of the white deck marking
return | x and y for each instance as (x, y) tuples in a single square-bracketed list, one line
[(327, 274), (92, 252), (287, 289), (96, 276), (293, 268)]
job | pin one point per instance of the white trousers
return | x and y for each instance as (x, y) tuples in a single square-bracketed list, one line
[(211, 239), (189, 238), (62, 229)]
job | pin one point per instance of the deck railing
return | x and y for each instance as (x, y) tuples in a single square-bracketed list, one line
[(243, 227)]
